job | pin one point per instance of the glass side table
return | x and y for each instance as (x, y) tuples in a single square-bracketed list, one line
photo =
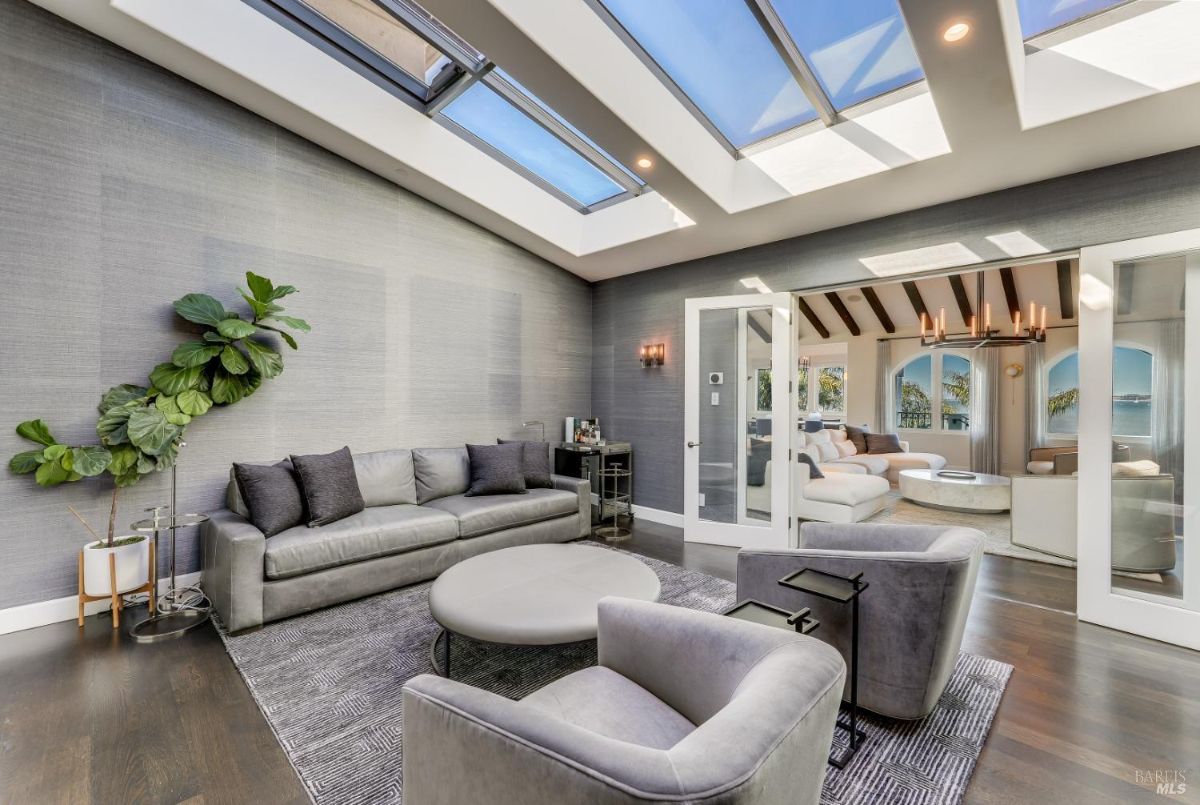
[(616, 497), (842, 590), (173, 617)]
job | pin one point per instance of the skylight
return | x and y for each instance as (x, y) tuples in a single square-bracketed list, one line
[(1039, 16), (482, 112), (719, 56), (857, 50), (758, 68), (406, 50)]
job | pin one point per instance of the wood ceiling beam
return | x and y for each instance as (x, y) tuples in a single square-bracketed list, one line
[(885, 321), (763, 332), (843, 312), (914, 298), (1066, 300), (811, 315), (1010, 292), (960, 296)]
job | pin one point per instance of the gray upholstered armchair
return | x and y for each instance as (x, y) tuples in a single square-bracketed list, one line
[(911, 618), (684, 706)]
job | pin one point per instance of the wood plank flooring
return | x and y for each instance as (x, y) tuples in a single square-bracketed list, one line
[(87, 716)]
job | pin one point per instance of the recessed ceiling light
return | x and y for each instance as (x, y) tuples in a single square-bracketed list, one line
[(645, 162), (956, 32)]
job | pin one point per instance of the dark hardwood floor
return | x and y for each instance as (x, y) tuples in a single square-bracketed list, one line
[(87, 716)]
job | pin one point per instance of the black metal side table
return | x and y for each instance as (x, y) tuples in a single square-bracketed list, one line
[(842, 590), (758, 612)]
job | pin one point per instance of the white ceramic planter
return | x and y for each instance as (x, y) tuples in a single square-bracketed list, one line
[(133, 567)]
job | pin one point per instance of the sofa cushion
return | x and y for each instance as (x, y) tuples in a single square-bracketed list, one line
[(271, 495), (814, 467), (602, 701), (820, 437), (845, 448), (496, 469), (329, 485), (378, 531), (1040, 468), (535, 463), (844, 466), (846, 489), (857, 434), (233, 495), (386, 477), (915, 461), (1135, 468), (441, 471), (828, 451), (876, 465), (487, 513), (883, 443)]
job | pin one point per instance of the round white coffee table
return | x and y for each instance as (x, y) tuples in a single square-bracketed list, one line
[(983, 493), (532, 595)]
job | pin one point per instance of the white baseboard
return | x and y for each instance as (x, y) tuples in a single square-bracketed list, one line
[(42, 613), (658, 516)]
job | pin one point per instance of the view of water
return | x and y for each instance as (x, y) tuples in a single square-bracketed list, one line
[(1130, 418)]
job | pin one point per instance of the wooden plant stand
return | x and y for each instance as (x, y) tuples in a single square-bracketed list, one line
[(118, 598)]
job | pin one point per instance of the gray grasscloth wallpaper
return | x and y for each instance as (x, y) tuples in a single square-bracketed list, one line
[(645, 406), (124, 187)]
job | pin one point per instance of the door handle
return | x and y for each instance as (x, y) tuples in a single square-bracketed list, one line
[(695, 444)]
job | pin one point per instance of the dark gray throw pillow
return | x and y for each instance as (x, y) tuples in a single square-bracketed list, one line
[(814, 471), (329, 485), (857, 434), (271, 494), (535, 463), (883, 443), (496, 469)]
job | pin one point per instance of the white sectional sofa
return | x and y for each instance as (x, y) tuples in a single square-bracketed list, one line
[(839, 497), (838, 454)]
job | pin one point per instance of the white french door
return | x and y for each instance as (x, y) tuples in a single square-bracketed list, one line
[(1139, 389), (739, 419)]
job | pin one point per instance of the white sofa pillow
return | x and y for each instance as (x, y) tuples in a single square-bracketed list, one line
[(845, 448), (820, 437), (829, 452)]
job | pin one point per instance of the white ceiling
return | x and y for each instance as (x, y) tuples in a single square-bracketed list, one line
[(992, 117)]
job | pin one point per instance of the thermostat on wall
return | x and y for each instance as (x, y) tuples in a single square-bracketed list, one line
[(716, 378)]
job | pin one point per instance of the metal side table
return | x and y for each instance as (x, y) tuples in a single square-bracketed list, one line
[(173, 617), (616, 498), (842, 590)]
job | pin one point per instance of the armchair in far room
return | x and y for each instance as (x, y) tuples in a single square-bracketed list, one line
[(913, 614)]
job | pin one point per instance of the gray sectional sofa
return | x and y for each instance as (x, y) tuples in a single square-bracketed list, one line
[(417, 522)]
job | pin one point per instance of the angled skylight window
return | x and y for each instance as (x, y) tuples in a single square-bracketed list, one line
[(1039, 16), (482, 113), (519, 88), (721, 59), (858, 50)]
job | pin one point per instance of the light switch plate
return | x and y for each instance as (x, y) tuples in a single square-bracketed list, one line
[(700, 499), (716, 398)]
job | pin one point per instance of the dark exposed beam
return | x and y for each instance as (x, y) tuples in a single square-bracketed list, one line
[(960, 296), (1066, 301), (763, 332), (844, 312), (881, 313), (811, 315), (1010, 292), (914, 298), (1124, 289)]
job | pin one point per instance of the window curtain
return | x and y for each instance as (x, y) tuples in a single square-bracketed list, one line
[(1035, 396), (883, 379), (1167, 403), (985, 411)]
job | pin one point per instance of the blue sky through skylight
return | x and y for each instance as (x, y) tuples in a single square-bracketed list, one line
[(1039, 16), (720, 57), (491, 118), (858, 50)]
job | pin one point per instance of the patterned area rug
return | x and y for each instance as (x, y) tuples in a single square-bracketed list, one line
[(329, 684)]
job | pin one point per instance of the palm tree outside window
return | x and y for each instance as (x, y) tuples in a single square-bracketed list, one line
[(920, 403)]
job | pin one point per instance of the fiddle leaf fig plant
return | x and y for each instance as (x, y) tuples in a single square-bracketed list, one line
[(140, 426)]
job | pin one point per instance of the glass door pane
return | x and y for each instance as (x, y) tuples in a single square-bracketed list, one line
[(1150, 373)]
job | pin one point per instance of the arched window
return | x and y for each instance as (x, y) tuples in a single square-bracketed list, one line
[(932, 392), (1133, 373)]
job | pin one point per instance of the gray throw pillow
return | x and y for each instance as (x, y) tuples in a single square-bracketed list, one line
[(857, 434), (535, 463), (814, 471), (271, 494), (496, 469), (883, 443), (329, 485)]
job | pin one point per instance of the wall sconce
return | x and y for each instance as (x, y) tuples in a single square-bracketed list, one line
[(652, 355)]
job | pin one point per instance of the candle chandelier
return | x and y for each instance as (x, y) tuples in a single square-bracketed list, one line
[(1023, 331)]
